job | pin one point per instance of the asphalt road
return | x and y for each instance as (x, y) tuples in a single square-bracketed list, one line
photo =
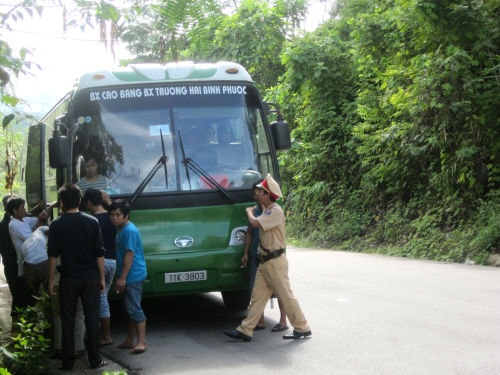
[(369, 314)]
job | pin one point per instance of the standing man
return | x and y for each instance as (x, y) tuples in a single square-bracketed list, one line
[(20, 228), (35, 260), (94, 200), (76, 238), (251, 259), (272, 274), (17, 286), (131, 273)]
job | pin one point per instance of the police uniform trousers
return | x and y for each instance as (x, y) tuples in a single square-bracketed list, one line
[(272, 276)]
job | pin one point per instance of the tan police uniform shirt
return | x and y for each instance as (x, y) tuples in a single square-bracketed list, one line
[(272, 229)]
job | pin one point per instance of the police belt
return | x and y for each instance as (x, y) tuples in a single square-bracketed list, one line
[(270, 255)]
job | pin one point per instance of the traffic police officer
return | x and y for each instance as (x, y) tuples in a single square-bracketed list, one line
[(272, 274)]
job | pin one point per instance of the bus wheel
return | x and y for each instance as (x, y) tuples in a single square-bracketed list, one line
[(236, 300)]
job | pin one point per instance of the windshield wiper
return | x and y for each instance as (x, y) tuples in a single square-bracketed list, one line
[(191, 164), (161, 161), (184, 158)]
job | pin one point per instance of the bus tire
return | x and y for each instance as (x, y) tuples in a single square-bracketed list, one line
[(236, 300)]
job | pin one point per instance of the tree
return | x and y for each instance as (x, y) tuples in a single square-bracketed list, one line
[(429, 73), (321, 171), (12, 65), (16, 63), (87, 14), (205, 30), (160, 32), (417, 122), (274, 23)]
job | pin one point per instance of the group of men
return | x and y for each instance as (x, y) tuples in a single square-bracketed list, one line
[(80, 247), (80, 250), (24, 264)]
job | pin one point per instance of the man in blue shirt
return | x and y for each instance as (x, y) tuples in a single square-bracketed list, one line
[(131, 272)]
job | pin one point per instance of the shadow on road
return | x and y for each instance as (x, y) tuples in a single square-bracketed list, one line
[(193, 310)]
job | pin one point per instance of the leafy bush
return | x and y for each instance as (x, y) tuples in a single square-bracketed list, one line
[(391, 228), (402, 230), (396, 102), (486, 232), (26, 351)]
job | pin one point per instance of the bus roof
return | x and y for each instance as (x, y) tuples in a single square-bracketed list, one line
[(171, 72)]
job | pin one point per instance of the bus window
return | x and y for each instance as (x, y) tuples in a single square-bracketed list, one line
[(138, 137), (33, 176)]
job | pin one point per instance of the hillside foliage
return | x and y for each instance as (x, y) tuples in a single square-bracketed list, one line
[(396, 127), (393, 107)]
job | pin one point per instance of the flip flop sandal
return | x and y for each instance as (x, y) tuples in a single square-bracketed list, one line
[(124, 346), (138, 351), (100, 364), (278, 328)]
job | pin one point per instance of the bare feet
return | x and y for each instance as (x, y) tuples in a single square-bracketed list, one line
[(104, 342), (125, 345), (139, 348)]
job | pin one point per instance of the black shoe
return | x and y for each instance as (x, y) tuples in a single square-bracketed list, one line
[(56, 355), (235, 334), (66, 367), (297, 335)]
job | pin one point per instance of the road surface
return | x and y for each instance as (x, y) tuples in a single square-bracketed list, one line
[(369, 315)]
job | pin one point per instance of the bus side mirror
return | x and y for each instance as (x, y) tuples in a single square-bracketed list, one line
[(59, 151), (280, 131), (281, 134)]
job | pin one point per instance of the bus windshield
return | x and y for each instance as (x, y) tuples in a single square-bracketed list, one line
[(126, 131)]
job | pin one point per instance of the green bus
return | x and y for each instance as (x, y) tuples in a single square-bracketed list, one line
[(183, 143)]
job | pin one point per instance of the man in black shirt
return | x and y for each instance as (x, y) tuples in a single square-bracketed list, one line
[(76, 238), (94, 200)]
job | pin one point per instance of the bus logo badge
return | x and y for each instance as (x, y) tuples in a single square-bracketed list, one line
[(183, 241)]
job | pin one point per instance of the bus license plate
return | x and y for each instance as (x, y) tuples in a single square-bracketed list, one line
[(185, 277)]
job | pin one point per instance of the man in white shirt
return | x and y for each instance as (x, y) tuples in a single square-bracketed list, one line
[(35, 259), (21, 226)]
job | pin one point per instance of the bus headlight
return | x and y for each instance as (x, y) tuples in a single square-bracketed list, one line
[(238, 236)]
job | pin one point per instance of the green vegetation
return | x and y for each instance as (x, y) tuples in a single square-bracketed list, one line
[(393, 106), (26, 349), (399, 155)]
